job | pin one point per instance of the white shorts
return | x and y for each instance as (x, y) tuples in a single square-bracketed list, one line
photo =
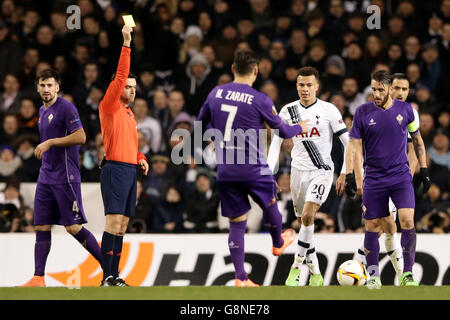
[(313, 186), (392, 208)]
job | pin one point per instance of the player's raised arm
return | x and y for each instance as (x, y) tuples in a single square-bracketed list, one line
[(116, 86)]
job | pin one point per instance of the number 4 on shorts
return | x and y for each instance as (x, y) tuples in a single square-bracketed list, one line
[(75, 207)]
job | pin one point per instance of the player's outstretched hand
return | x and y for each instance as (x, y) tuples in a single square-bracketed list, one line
[(424, 178), (303, 125), (350, 185), (126, 32)]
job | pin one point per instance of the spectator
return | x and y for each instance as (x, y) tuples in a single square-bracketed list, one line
[(265, 68), (426, 100), (261, 13), (226, 44), (9, 162), (191, 45), (90, 79), (411, 45), (201, 206), (147, 83), (413, 74), (10, 204), (168, 215), (297, 49), (316, 55), (26, 74), (26, 31), (433, 199), (176, 104), (270, 88), (45, 43), (298, 13), (143, 144), (10, 129), (432, 33), (28, 117), (324, 223), (25, 145), (143, 218), (395, 32), (444, 44), (10, 96), (147, 125), (350, 90), (427, 127), (436, 221), (158, 178), (356, 64), (439, 150), (444, 120), (397, 62), (430, 67), (197, 82), (9, 51), (89, 113), (334, 74), (206, 25)]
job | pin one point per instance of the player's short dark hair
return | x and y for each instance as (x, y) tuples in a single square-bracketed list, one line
[(382, 76), (244, 62), (48, 74), (399, 76), (308, 71), (130, 76)]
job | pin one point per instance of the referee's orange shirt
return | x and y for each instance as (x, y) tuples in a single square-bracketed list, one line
[(119, 128)]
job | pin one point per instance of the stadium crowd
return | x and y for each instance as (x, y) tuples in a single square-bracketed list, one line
[(181, 50)]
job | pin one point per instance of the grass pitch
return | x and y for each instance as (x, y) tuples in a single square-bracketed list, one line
[(227, 293)]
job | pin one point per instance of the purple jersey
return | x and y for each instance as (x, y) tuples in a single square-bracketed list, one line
[(384, 139), (59, 164), (238, 111)]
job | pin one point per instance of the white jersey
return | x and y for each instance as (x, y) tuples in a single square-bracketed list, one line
[(312, 150)]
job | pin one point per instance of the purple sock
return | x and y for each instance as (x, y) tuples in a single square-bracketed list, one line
[(408, 243), (236, 245), (88, 241), (41, 251), (118, 242), (273, 221), (372, 251)]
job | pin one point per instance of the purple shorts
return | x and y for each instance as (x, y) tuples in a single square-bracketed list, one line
[(234, 195), (58, 204), (376, 201)]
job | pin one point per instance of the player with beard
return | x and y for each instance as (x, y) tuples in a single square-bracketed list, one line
[(379, 133), (58, 191), (399, 91)]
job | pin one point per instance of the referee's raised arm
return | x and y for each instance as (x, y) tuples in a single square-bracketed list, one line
[(118, 178), (114, 91)]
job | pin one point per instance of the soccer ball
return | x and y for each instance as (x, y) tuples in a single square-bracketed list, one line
[(351, 273)]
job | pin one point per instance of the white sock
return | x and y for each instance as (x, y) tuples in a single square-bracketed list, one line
[(305, 239), (360, 256), (311, 261), (394, 251)]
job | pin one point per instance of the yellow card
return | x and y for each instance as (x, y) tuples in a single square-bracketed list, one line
[(129, 21)]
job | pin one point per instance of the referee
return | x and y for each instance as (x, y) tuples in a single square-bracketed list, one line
[(118, 177)]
